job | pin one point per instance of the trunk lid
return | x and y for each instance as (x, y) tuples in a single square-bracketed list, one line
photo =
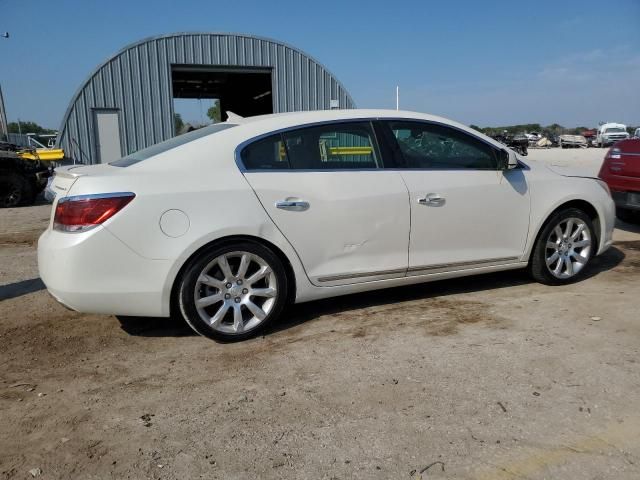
[(65, 177)]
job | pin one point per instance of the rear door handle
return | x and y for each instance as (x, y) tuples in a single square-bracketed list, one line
[(293, 205), (432, 200)]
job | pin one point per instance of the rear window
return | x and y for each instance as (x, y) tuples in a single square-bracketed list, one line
[(174, 142)]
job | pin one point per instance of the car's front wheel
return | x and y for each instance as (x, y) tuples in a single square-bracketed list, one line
[(564, 248), (232, 292)]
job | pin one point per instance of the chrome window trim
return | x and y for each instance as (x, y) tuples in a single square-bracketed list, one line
[(245, 143)]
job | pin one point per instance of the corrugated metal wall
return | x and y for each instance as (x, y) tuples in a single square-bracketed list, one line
[(137, 82)]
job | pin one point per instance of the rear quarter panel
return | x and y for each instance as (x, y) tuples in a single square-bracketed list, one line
[(200, 179), (549, 191)]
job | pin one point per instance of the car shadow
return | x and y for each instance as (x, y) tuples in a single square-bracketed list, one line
[(298, 314), (305, 312), (155, 326), (628, 227), (17, 289)]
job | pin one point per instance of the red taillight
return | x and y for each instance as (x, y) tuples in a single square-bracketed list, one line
[(77, 214)]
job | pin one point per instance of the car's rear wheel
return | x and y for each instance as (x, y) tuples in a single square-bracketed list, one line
[(563, 248), (233, 292)]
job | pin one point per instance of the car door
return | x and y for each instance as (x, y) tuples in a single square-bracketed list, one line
[(325, 188), (466, 211)]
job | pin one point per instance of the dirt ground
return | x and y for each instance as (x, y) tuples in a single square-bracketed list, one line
[(487, 377)]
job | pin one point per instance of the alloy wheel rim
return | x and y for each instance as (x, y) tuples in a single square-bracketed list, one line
[(235, 292), (568, 248)]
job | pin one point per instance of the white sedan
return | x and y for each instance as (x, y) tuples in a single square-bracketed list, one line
[(226, 225)]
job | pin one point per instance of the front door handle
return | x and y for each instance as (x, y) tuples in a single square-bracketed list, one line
[(432, 200), (293, 205)]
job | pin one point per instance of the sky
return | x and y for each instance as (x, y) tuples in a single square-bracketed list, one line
[(488, 63)]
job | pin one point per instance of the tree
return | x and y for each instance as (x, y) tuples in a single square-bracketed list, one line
[(28, 127), (177, 122), (214, 112)]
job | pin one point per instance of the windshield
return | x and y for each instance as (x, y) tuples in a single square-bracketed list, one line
[(169, 144), (615, 130)]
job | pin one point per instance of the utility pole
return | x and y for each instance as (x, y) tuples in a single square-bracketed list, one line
[(4, 129), (4, 132), (397, 97)]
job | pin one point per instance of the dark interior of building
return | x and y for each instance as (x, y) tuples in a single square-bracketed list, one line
[(244, 91)]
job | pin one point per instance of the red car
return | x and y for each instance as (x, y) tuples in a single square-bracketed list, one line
[(621, 171)]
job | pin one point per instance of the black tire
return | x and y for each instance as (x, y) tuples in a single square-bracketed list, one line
[(14, 190), (189, 284), (626, 215), (537, 262)]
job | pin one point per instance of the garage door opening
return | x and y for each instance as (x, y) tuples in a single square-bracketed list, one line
[(246, 91)]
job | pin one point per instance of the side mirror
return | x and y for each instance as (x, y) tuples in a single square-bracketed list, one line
[(508, 159)]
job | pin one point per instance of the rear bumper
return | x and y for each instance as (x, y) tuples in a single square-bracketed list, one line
[(626, 200), (608, 219), (94, 272), (611, 141)]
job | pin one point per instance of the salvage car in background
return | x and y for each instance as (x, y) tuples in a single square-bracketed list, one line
[(590, 135), (621, 171), (226, 224), (518, 142), (566, 141)]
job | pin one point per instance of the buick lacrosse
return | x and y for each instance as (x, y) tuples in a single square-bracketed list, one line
[(226, 225)]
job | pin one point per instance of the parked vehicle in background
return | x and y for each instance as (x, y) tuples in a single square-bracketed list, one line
[(518, 142), (227, 224), (532, 138), (566, 141), (22, 177), (636, 134), (621, 171), (590, 135), (610, 133)]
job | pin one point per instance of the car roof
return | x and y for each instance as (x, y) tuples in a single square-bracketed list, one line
[(312, 116), (249, 127)]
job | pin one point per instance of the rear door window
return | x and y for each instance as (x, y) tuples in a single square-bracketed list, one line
[(333, 147)]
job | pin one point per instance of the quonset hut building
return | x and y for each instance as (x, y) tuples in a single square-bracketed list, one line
[(126, 104)]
